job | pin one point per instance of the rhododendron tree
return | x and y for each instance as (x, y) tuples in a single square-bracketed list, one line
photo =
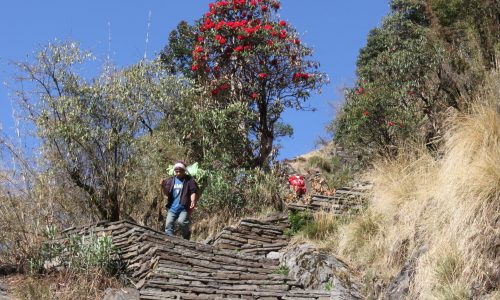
[(244, 52)]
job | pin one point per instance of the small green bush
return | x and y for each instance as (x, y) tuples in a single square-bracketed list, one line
[(328, 286), (282, 270), (78, 253), (242, 191), (333, 170), (298, 220)]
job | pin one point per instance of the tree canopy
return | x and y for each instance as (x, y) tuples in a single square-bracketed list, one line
[(243, 53), (91, 130)]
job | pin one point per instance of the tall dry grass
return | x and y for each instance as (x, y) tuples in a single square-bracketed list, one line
[(31, 200), (65, 285), (449, 205)]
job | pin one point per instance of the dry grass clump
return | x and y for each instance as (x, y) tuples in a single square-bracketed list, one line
[(321, 226), (450, 205), (65, 285), (210, 226)]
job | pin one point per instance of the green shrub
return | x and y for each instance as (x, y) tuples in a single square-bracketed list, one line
[(242, 191), (87, 252), (298, 220), (333, 170), (77, 253), (428, 58), (328, 286), (49, 250), (282, 270)]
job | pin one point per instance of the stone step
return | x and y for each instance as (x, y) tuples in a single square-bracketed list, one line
[(234, 267)]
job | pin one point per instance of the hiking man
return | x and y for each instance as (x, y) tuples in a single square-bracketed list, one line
[(181, 191)]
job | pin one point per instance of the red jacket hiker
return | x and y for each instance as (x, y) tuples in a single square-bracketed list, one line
[(297, 184)]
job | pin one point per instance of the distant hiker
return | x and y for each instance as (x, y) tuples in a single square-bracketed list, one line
[(181, 191), (297, 184)]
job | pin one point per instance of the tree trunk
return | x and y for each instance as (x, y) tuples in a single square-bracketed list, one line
[(114, 207), (266, 135), (265, 148)]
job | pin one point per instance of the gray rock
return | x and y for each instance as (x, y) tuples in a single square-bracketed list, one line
[(274, 255), (400, 285), (121, 294), (320, 271), (4, 291), (53, 264)]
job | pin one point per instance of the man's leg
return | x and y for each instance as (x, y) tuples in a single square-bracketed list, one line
[(169, 223), (184, 221)]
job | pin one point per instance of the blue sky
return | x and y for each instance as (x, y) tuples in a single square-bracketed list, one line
[(336, 29)]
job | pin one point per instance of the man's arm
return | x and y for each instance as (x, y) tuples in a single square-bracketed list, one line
[(194, 198), (193, 188)]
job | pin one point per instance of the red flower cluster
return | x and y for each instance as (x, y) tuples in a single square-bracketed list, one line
[(220, 39), (365, 113), (197, 49), (221, 88), (359, 91), (238, 3), (222, 3), (298, 76), (391, 123), (282, 34), (234, 26), (251, 30)]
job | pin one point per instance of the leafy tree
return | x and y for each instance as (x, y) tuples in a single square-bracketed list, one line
[(427, 57), (387, 106), (176, 56), (243, 53), (91, 130)]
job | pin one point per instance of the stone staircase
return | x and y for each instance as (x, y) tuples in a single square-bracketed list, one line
[(256, 237), (238, 264), (342, 202), (163, 267)]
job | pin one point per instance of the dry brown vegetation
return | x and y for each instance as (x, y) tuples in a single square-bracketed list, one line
[(446, 208), (64, 285)]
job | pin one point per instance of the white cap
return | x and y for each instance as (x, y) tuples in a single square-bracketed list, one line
[(179, 165)]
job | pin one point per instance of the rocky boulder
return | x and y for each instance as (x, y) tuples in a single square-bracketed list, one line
[(317, 270), (121, 294)]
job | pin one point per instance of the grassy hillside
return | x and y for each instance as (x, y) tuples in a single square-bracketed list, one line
[(441, 212)]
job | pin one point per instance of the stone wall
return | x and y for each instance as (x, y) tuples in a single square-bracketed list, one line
[(163, 267), (257, 237), (342, 202)]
